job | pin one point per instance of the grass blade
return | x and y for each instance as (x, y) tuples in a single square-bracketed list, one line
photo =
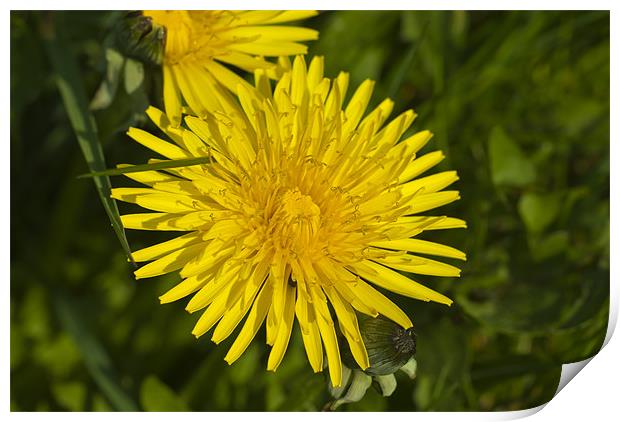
[(166, 164), (405, 66), (69, 83)]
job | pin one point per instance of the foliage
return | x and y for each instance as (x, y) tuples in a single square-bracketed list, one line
[(519, 103)]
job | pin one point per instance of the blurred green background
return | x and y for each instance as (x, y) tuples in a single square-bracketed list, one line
[(519, 103)]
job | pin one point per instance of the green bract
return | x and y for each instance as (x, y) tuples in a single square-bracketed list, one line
[(389, 346), (137, 36)]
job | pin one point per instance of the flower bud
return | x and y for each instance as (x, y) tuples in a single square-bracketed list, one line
[(389, 346), (137, 36)]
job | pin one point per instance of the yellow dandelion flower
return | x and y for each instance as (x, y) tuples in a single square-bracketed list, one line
[(304, 206), (198, 42)]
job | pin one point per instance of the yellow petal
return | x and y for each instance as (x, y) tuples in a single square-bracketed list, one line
[(315, 72), (156, 200), (236, 313), (172, 99), (430, 184), (149, 178), (163, 122), (211, 256), (207, 219), (257, 16), (291, 15), (434, 223), (384, 306), (421, 164), (347, 321), (421, 203), (411, 145), (249, 100), (180, 186), (216, 310), (187, 78), (422, 247), (252, 324), (358, 104), (261, 33), (168, 263), (227, 77), (395, 129), (391, 280), (152, 142), (343, 280), (210, 291), (299, 81), (310, 332), (263, 85), (244, 61), (152, 221), (284, 331), (271, 326), (184, 288), (379, 115), (164, 248), (416, 265), (328, 334), (273, 48)]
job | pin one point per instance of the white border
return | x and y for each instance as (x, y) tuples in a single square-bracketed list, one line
[(590, 395)]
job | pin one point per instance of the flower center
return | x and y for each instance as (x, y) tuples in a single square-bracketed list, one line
[(297, 207), (294, 223)]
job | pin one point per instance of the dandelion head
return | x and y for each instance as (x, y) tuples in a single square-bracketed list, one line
[(199, 45), (306, 210)]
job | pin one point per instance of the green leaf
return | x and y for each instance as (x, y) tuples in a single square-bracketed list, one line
[(509, 166), (546, 246), (155, 396), (68, 79), (538, 211), (107, 90), (134, 75), (167, 164)]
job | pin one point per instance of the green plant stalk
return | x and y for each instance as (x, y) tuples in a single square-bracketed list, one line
[(68, 79)]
